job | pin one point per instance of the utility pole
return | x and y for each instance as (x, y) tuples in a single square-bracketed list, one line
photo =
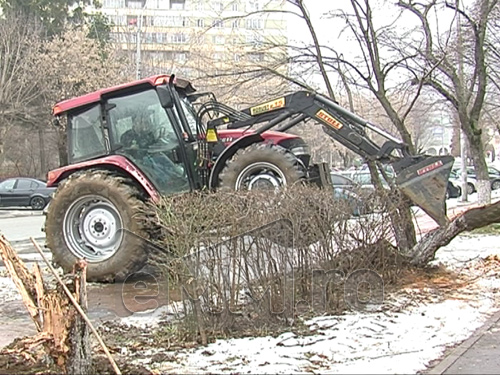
[(138, 42)]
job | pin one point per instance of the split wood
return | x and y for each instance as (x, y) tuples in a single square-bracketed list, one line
[(78, 307)]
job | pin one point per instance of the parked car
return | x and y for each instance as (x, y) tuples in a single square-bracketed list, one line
[(25, 192), (453, 190), (456, 179), (493, 173), (358, 197), (363, 178)]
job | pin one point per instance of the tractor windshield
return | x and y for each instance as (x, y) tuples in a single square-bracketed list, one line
[(141, 130)]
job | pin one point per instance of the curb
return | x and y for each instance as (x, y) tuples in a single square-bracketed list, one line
[(456, 353)]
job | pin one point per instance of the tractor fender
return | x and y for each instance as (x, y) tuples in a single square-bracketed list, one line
[(228, 153), (114, 162)]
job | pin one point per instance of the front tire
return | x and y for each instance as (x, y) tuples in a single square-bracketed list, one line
[(261, 166), (99, 217), (470, 189), (264, 166)]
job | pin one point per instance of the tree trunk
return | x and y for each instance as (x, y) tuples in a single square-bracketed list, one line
[(41, 144), (483, 179), (424, 251), (400, 214), (80, 359)]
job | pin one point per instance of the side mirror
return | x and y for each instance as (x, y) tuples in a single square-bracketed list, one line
[(165, 97)]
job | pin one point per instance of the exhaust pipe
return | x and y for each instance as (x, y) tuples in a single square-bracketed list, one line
[(424, 179)]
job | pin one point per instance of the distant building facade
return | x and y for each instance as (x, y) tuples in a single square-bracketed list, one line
[(190, 37)]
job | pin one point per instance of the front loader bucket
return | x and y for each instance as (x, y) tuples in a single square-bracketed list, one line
[(424, 180)]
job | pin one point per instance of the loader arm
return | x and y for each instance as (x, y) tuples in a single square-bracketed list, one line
[(421, 178)]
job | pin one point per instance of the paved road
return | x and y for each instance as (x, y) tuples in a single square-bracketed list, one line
[(18, 227)]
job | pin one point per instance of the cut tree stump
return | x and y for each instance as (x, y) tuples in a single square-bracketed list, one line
[(61, 328)]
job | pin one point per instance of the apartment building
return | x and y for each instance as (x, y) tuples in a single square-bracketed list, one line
[(197, 37)]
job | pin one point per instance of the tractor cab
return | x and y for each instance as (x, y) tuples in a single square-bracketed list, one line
[(141, 125)]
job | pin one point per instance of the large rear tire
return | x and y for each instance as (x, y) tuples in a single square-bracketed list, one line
[(261, 166), (100, 217), (264, 166)]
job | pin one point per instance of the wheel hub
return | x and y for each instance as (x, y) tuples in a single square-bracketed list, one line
[(92, 228), (260, 175), (99, 227), (264, 181)]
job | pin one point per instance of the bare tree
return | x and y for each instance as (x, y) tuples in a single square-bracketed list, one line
[(73, 65), (20, 94), (458, 71)]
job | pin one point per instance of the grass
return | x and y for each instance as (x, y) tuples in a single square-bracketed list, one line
[(489, 229)]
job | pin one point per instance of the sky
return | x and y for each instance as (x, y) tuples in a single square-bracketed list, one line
[(330, 30)]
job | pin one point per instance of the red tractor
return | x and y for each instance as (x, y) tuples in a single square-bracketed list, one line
[(135, 142)]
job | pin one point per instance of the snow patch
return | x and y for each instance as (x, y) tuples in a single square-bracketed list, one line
[(8, 290)]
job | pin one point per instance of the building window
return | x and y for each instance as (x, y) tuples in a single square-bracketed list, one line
[(200, 22), (117, 20), (177, 4), (135, 4), (178, 38), (235, 24), (254, 23), (218, 24), (132, 20), (170, 21), (161, 37), (219, 39), (234, 6), (198, 5), (218, 6), (181, 56), (253, 6), (254, 39), (113, 4), (256, 57)]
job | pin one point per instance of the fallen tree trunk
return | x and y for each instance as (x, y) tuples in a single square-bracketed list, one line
[(60, 327), (425, 250)]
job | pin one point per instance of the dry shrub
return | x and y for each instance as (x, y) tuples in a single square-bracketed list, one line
[(248, 259)]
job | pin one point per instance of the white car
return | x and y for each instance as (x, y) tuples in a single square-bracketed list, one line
[(456, 179)]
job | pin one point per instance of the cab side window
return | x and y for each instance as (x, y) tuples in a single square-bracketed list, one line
[(85, 134)]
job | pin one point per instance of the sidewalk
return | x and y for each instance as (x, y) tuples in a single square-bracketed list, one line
[(480, 354), (425, 224)]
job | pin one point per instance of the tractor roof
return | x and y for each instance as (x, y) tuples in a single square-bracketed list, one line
[(96, 96)]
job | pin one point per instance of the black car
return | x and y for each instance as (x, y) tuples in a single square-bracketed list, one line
[(25, 192), (453, 190)]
